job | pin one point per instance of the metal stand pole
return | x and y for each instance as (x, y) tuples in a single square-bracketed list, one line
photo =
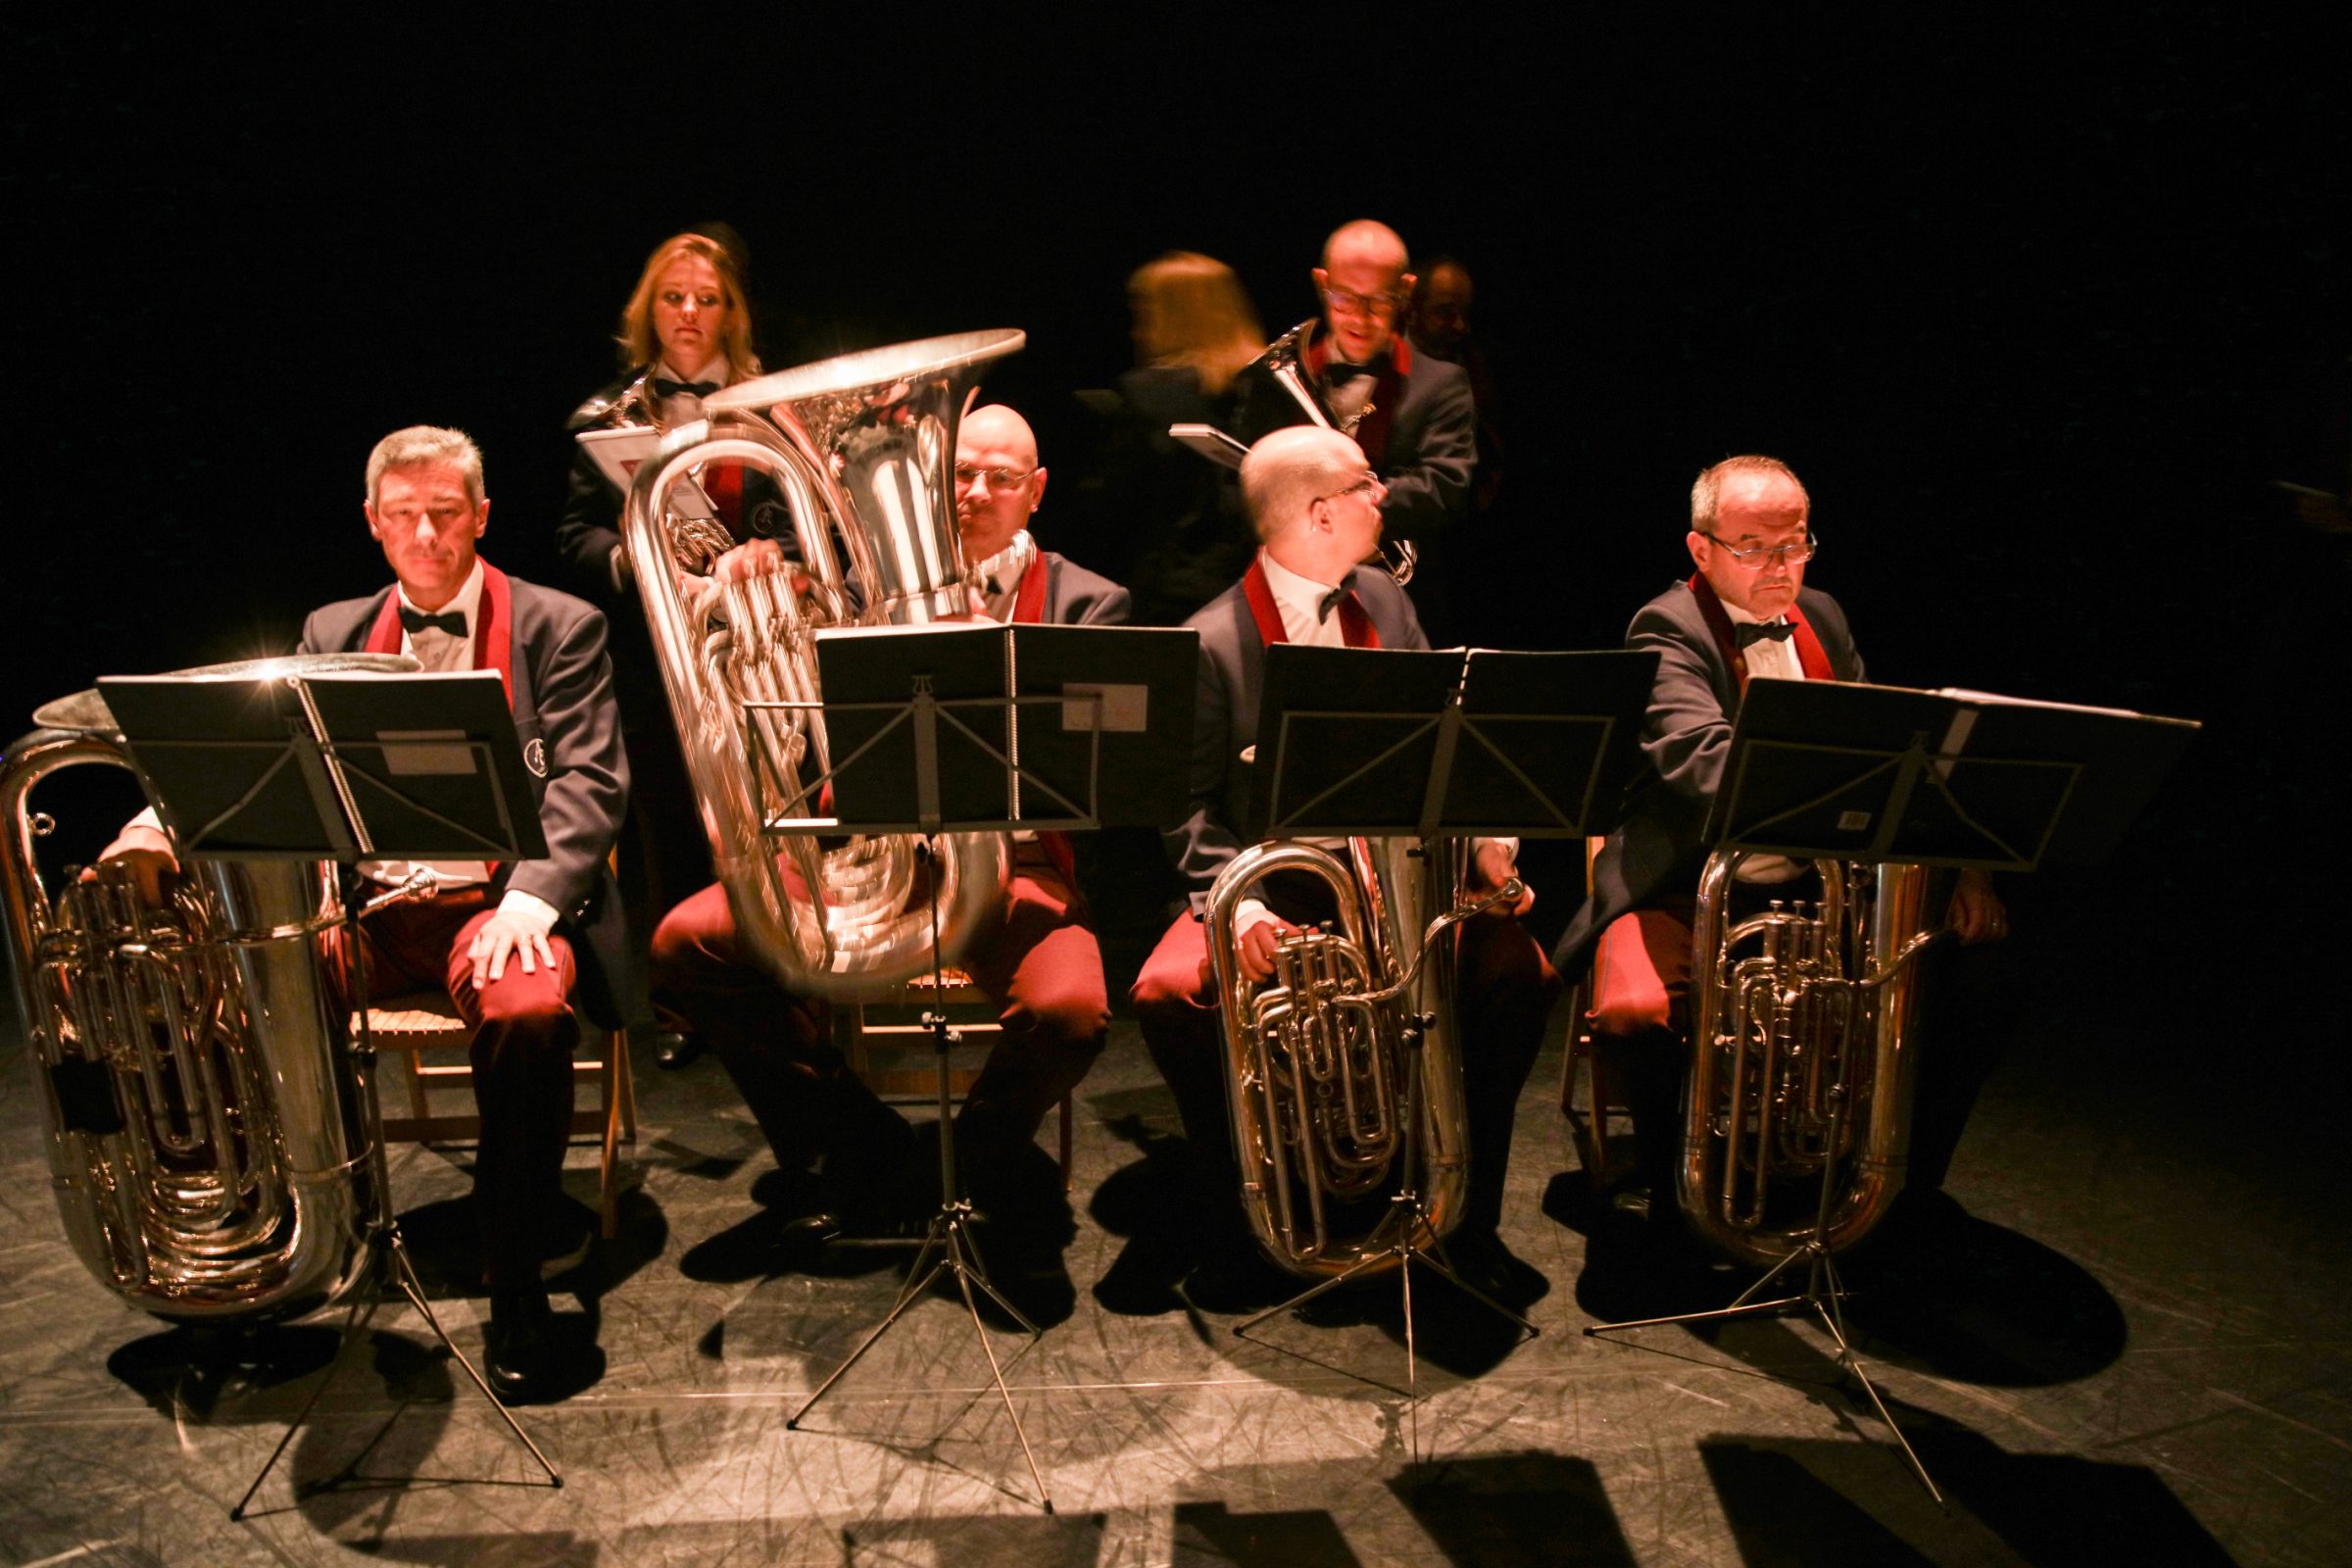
[(384, 1243), (1411, 1241), (947, 1248), (1824, 1294)]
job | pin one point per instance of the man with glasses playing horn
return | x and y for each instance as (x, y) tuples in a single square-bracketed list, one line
[(1744, 612), (1353, 369), (1041, 969), (1316, 506), (513, 946)]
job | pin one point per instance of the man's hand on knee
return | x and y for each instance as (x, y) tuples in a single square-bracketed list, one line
[(506, 935)]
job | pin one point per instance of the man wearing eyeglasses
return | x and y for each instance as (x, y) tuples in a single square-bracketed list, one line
[(1412, 413), (1316, 506), (1042, 968), (1744, 612)]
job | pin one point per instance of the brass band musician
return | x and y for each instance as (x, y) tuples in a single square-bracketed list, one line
[(1744, 612), (517, 947), (1042, 968), (1316, 506)]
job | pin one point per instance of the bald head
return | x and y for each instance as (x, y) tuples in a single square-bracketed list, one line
[(1314, 501), (998, 482), (1363, 283), (1367, 241)]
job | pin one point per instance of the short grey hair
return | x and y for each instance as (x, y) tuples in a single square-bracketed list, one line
[(1286, 472), (427, 442), (1709, 485)]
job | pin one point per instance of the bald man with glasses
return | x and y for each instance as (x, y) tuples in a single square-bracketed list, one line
[(1412, 413)]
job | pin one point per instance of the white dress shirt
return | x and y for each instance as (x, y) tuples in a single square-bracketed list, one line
[(1773, 658)]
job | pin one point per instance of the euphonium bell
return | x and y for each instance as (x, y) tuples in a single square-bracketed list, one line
[(861, 448), (1802, 1060)]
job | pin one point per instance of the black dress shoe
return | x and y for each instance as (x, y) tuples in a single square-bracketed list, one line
[(1482, 1262), (517, 1347), (673, 1050)]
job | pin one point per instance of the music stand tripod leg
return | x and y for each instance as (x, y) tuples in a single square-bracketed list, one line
[(956, 1256)]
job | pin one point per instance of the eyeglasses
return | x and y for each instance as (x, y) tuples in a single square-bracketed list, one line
[(1347, 302), (1788, 555), (1368, 484), (997, 478)]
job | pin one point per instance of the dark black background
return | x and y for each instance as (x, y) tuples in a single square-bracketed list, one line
[(2038, 313)]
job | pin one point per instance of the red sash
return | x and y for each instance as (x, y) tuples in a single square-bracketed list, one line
[(1355, 623), (1809, 655), (493, 628), (1029, 609)]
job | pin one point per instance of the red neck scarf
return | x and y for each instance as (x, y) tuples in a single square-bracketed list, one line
[(493, 628), (1355, 623), (1809, 655)]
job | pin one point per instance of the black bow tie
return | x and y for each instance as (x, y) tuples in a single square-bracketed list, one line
[(1335, 598), (1749, 631), (1339, 370), (452, 622), (666, 388)]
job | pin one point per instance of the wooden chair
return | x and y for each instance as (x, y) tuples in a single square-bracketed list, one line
[(889, 1048), (418, 1023), (1611, 981)]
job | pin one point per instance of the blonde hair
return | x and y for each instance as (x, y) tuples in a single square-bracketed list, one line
[(1191, 310), (427, 442), (640, 344)]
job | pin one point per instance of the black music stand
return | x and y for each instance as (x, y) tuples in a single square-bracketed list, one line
[(1439, 746), (340, 766), (1840, 770), (989, 729)]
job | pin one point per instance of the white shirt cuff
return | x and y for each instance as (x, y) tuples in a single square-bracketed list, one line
[(1249, 915), (529, 907)]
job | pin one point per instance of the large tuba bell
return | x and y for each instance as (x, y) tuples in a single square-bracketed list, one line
[(1802, 1061), (1329, 1061), (861, 448), (209, 1125)]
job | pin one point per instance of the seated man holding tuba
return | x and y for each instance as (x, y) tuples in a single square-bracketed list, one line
[(1041, 969), (1744, 612), (1316, 506), (512, 944)]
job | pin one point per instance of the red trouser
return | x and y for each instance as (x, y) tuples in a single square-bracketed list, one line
[(1505, 991), (523, 1034), (1041, 969)]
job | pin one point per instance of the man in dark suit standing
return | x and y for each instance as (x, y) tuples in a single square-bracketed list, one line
[(1412, 413), (505, 941), (1744, 612), (1043, 969), (1316, 504)]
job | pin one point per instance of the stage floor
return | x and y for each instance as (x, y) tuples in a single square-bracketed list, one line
[(2134, 1351)]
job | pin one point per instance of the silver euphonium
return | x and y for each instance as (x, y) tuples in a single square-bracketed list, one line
[(1283, 362), (861, 448), (209, 1125), (1330, 1060), (1802, 1060)]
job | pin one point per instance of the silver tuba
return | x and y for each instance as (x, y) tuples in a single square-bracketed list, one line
[(1802, 1060), (1283, 362), (861, 448), (1327, 1063), (209, 1125)]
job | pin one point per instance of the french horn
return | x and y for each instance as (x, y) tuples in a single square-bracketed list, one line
[(1330, 1063), (861, 448), (1803, 1060), (209, 1126)]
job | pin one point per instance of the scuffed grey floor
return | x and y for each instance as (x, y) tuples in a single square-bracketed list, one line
[(2145, 1360)]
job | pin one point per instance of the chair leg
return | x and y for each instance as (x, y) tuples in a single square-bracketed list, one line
[(1065, 1144), (617, 1096)]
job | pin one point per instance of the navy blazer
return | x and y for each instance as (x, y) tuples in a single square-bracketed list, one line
[(1660, 846), (1232, 676), (562, 703), (1077, 597)]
